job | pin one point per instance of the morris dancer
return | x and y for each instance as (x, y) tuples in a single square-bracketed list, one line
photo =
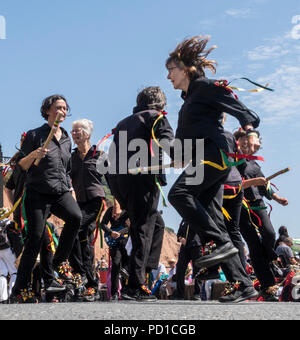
[(255, 224), (90, 196), (139, 194), (47, 191), (200, 205)]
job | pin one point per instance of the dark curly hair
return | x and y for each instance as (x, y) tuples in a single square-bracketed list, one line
[(151, 97), (49, 101), (191, 55)]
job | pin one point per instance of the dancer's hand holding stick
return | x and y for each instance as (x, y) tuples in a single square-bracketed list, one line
[(49, 138)]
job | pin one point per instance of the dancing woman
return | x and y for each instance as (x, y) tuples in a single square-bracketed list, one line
[(200, 117), (47, 191), (255, 224), (90, 195)]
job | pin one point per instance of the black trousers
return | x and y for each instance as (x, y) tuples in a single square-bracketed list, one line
[(186, 254), (192, 202), (139, 196), (261, 247), (201, 206), (81, 257), (234, 206), (119, 257), (38, 206)]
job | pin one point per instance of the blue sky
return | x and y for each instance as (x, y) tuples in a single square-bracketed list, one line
[(99, 54)]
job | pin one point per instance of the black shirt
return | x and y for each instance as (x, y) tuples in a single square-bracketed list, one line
[(51, 176), (86, 180), (250, 169), (138, 126), (200, 115)]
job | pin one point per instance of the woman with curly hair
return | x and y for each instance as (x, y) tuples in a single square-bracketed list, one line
[(200, 117), (48, 190)]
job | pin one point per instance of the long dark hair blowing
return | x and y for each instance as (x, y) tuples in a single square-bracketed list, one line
[(49, 101), (191, 55)]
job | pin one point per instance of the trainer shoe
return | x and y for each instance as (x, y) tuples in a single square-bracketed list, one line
[(216, 255), (237, 292), (55, 287)]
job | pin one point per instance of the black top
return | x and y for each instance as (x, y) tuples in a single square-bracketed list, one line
[(51, 176), (234, 175), (108, 218), (201, 114), (86, 180), (138, 126), (250, 169)]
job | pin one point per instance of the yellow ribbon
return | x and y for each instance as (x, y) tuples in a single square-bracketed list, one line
[(51, 239), (12, 209), (215, 165), (249, 213), (241, 89), (153, 127), (229, 197), (226, 214)]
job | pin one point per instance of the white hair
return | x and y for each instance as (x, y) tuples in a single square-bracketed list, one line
[(86, 125)]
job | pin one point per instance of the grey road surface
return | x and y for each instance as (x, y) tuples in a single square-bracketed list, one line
[(160, 310)]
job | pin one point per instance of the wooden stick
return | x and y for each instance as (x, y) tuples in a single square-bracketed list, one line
[(146, 169), (278, 173), (50, 136)]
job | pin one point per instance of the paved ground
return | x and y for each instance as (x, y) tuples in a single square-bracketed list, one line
[(161, 310)]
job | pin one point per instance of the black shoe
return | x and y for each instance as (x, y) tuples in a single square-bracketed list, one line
[(269, 294), (235, 293), (115, 298), (196, 297), (216, 255), (141, 294), (24, 296), (55, 287), (88, 295)]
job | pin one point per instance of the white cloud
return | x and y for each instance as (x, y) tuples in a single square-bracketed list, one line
[(283, 105), (238, 13), (267, 52)]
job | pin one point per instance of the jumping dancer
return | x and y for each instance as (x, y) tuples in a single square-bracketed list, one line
[(200, 117)]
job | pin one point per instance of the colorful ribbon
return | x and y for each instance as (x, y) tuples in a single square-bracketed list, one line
[(161, 191), (160, 116), (98, 225)]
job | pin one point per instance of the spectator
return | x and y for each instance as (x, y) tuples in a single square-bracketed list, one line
[(283, 233), (157, 277), (169, 285), (285, 252), (9, 251)]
